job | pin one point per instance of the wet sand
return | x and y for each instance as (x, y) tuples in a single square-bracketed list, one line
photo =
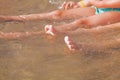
[(47, 58)]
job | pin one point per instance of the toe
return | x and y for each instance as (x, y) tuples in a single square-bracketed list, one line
[(68, 41), (71, 45), (49, 30)]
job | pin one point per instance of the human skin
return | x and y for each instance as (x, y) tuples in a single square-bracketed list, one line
[(97, 30), (89, 21), (97, 46), (17, 35), (66, 14), (86, 20)]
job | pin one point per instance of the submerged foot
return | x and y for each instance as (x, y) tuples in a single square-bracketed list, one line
[(70, 44), (49, 29)]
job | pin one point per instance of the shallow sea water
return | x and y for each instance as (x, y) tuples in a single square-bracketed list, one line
[(46, 58)]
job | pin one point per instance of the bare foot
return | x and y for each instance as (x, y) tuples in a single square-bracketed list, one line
[(49, 29), (70, 44)]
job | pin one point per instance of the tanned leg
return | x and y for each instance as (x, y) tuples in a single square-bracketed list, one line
[(99, 46), (54, 15), (16, 35), (88, 22)]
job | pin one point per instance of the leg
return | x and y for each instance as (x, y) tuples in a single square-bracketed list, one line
[(100, 30), (101, 46), (54, 15), (16, 35), (95, 31), (88, 22), (101, 19)]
